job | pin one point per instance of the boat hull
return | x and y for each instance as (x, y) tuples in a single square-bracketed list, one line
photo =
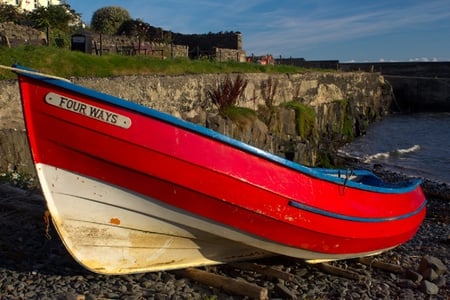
[(214, 192), (110, 230)]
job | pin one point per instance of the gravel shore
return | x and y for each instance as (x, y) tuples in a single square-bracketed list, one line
[(35, 267)]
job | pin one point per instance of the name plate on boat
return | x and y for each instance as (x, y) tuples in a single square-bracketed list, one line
[(88, 110)]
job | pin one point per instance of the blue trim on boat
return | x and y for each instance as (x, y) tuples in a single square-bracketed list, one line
[(330, 214), (324, 174)]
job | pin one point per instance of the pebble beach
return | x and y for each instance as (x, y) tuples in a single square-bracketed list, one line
[(35, 264)]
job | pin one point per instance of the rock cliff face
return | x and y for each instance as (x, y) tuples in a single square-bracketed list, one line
[(303, 117)]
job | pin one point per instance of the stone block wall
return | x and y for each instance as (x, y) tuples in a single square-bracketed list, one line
[(227, 40), (418, 86), (12, 35), (221, 46), (360, 98), (125, 45), (222, 54)]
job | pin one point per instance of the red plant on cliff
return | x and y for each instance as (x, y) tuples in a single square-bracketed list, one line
[(227, 92)]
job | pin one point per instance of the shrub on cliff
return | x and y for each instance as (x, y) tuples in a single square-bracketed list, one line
[(227, 92)]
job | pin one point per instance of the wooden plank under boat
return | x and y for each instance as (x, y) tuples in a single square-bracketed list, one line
[(131, 189)]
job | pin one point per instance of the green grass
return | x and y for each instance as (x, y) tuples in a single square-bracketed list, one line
[(66, 63), (305, 116), (240, 115)]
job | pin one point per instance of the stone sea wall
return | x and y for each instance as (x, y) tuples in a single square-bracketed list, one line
[(342, 105), (418, 86), (420, 94)]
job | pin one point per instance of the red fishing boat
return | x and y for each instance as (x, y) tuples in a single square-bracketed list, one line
[(131, 189)]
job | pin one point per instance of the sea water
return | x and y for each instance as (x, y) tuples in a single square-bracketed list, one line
[(413, 144)]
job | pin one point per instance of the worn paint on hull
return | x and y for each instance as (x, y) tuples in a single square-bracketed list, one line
[(113, 231), (110, 230)]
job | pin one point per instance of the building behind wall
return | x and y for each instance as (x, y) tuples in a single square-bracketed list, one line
[(30, 5), (207, 45)]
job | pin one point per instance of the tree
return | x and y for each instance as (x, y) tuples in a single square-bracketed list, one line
[(134, 28), (158, 34), (56, 20), (10, 13), (54, 16), (109, 19)]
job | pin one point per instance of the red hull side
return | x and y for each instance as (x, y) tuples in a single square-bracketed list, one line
[(215, 180)]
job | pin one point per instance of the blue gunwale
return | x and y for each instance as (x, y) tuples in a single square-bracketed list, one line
[(323, 174)]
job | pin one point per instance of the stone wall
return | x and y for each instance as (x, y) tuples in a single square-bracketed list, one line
[(310, 64), (338, 100), (222, 54), (418, 86), (132, 46), (12, 35), (227, 40), (223, 47), (420, 94), (220, 46), (415, 69)]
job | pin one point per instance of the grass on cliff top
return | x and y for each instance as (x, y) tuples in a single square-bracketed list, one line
[(66, 63)]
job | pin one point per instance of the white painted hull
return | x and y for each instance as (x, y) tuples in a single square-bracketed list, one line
[(113, 231)]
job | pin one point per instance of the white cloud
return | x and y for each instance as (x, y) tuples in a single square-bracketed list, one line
[(293, 27), (322, 26)]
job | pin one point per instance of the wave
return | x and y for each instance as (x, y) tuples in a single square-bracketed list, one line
[(394, 153), (408, 150)]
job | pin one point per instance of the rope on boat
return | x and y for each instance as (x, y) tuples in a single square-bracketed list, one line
[(17, 70), (47, 217), (348, 175)]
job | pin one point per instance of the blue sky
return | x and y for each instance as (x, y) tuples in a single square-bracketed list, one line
[(347, 30)]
